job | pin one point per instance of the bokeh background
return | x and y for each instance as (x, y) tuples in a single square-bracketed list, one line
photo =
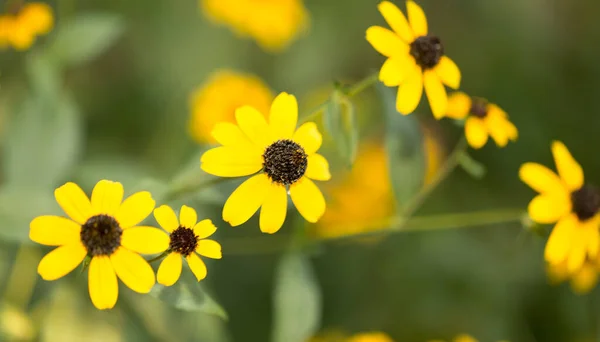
[(121, 112)]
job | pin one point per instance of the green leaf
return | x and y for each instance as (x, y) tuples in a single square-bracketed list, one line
[(471, 166), (297, 300), (340, 123), (85, 37), (18, 206)]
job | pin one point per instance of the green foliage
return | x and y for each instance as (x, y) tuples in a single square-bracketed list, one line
[(340, 123)]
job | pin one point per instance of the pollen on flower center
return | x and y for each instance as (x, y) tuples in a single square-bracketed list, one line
[(427, 51), (285, 162), (101, 235), (479, 107), (586, 202), (183, 241)]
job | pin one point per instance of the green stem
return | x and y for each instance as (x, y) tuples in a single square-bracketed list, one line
[(162, 255)]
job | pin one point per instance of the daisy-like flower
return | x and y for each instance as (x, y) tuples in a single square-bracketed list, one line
[(415, 59), (286, 157), (187, 237), (24, 23), (582, 281), (567, 200), (106, 230), (484, 119)]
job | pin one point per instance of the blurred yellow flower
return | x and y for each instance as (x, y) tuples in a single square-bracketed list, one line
[(218, 98), (20, 28), (459, 338), (187, 237), (286, 156), (582, 281), (105, 230), (566, 199), (483, 119), (415, 59), (273, 24), (370, 337)]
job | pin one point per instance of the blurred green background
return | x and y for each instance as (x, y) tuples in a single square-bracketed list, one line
[(121, 113)]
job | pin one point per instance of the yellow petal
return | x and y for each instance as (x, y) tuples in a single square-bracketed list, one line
[(228, 134), (577, 252), (476, 132), (559, 242), (417, 19), (135, 209), (254, 125), (54, 231), (102, 283), (283, 116), (448, 72), (436, 94), (145, 240), (459, 105), (204, 229), (394, 70), (61, 261), (548, 208), (169, 270), (585, 279), (106, 197), (318, 168), (410, 92), (464, 338), (187, 217), (496, 127), (74, 202), (592, 237), (227, 161), (541, 179), (568, 168), (511, 131), (397, 21), (197, 266), (209, 249), (133, 270), (166, 218), (38, 17), (309, 137), (246, 200), (308, 199), (386, 42), (274, 209)]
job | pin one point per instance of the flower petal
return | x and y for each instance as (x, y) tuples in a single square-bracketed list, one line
[(74, 202), (135, 209), (102, 283), (204, 229), (309, 137), (416, 18), (560, 240), (308, 199), (395, 69), (318, 168), (61, 261), (436, 93), (397, 21), (386, 42), (274, 209), (548, 208), (585, 279), (410, 92), (166, 218), (577, 252), (169, 270), (496, 127), (187, 217), (133, 270), (197, 266), (106, 197), (476, 132), (283, 116), (448, 72), (459, 105), (541, 179), (54, 230), (228, 134), (209, 249), (145, 240), (568, 168), (246, 200), (227, 161), (254, 125)]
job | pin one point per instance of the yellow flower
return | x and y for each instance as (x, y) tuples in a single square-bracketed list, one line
[(187, 237), (104, 229), (566, 199), (29, 21), (287, 158), (273, 24), (220, 96), (415, 59), (483, 119), (459, 338), (582, 281), (370, 337)]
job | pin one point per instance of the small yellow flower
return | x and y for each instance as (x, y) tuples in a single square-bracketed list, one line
[(582, 281), (218, 98), (286, 156), (370, 337), (106, 230), (566, 199), (29, 21), (484, 119), (273, 24), (187, 237), (416, 59)]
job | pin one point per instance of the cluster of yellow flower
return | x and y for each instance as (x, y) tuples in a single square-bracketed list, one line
[(24, 23)]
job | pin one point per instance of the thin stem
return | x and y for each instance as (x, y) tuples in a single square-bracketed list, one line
[(162, 255)]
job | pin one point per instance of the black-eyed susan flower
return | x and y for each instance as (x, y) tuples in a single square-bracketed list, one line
[(286, 157), (187, 237), (565, 199), (483, 119), (105, 229), (581, 281), (218, 98), (416, 59), (273, 24), (24, 24)]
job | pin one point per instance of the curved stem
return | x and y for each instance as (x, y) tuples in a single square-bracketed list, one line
[(162, 255)]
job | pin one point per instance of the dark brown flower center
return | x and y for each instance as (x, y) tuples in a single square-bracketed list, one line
[(427, 51), (285, 162), (586, 202), (479, 107), (101, 235), (183, 241)]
